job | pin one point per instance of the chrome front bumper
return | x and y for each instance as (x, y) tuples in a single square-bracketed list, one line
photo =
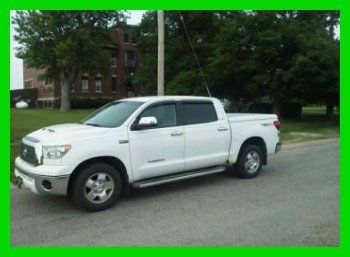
[(56, 185)]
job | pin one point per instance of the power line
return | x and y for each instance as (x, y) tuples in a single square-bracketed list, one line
[(194, 53)]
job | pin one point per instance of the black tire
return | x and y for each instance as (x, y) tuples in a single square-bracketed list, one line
[(254, 166), (80, 191)]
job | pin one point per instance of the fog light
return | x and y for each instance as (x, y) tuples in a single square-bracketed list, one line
[(47, 185)]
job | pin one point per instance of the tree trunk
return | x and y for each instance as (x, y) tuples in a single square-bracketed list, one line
[(66, 84), (330, 110), (65, 96), (276, 109)]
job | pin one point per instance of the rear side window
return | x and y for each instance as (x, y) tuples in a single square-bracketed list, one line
[(196, 113)]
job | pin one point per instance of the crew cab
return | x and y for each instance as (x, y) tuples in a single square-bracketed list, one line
[(142, 142)]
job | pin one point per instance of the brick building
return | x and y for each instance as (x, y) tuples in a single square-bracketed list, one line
[(125, 59)]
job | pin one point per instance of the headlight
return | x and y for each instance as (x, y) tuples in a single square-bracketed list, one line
[(55, 152)]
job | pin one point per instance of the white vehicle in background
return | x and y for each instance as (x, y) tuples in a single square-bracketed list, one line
[(142, 142)]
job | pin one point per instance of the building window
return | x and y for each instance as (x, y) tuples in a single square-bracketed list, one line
[(98, 85), (114, 62), (114, 84), (126, 37), (85, 85), (28, 83), (126, 59), (130, 61), (114, 59)]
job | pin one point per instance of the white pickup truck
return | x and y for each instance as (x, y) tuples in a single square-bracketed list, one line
[(142, 142)]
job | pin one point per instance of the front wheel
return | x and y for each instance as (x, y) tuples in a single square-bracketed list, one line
[(96, 187), (249, 161)]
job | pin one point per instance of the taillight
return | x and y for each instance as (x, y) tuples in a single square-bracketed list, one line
[(277, 124)]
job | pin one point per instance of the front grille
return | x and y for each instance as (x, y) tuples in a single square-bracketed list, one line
[(27, 153)]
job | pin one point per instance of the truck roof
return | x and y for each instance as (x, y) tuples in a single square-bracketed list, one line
[(173, 97)]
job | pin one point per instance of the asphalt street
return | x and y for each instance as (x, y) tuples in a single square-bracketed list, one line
[(294, 201)]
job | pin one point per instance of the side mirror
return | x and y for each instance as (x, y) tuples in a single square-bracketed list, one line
[(145, 122)]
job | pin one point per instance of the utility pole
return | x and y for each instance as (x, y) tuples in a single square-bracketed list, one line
[(160, 80)]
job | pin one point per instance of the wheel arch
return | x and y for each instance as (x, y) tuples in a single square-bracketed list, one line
[(111, 160), (258, 141)]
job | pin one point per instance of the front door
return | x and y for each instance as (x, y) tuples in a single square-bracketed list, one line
[(157, 151)]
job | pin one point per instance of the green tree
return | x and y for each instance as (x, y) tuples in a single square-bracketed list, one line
[(283, 56), (287, 56), (182, 75), (145, 36), (319, 65), (64, 43), (230, 65)]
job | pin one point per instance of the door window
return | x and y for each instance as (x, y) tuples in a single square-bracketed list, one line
[(165, 115), (196, 113)]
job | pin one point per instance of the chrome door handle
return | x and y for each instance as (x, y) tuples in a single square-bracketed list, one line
[(176, 133), (222, 128)]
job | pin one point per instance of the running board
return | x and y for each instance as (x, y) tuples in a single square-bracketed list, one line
[(177, 177)]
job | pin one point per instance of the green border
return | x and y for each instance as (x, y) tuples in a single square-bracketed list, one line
[(7, 5)]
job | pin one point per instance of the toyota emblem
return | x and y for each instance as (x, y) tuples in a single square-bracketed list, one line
[(25, 152)]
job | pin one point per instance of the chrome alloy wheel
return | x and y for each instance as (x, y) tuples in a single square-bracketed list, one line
[(252, 162), (99, 187)]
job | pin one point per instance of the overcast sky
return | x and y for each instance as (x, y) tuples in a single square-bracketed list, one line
[(17, 64)]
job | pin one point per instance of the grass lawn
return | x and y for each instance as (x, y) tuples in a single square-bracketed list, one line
[(312, 125), (25, 121)]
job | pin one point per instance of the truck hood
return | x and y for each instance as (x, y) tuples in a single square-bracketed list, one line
[(66, 133)]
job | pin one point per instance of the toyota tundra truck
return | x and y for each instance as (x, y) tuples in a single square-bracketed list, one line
[(142, 142)]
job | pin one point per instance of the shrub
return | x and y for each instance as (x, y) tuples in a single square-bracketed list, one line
[(261, 108), (291, 110), (287, 110), (90, 102)]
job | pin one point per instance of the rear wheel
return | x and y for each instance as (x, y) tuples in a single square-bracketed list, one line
[(96, 187), (250, 161)]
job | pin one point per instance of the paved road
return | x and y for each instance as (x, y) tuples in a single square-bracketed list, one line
[(294, 201)]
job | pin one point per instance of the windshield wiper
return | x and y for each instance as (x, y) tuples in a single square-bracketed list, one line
[(92, 124)]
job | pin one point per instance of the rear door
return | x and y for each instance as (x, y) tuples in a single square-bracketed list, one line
[(207, 139)]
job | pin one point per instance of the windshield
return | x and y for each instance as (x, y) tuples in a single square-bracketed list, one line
[(112, 115)]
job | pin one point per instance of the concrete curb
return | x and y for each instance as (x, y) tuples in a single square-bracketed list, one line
[(290, 146)]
